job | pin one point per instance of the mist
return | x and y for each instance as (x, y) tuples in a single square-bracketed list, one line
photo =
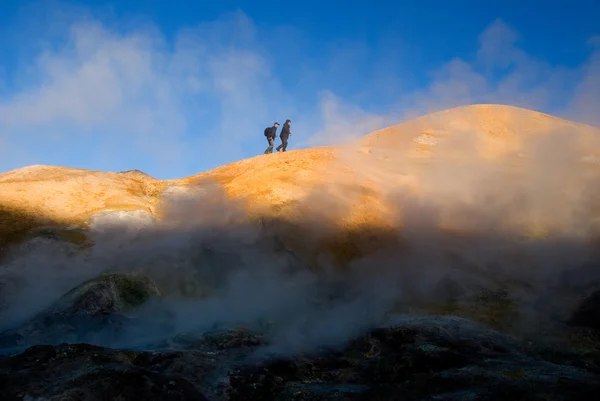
[(454, 226)]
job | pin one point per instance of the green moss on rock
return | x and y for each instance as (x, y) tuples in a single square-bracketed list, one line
[(133, 289), (112, 293)]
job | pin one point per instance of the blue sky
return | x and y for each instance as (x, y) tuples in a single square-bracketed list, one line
[(174, 88)]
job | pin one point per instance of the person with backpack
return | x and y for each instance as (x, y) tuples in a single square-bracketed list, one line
[(270, 133), (284, 135)]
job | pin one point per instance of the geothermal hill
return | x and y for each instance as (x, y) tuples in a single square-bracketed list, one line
[(530, 171), (451, 257)]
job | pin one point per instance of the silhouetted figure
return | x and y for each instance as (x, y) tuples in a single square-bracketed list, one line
[(284, 135), (270, 133)]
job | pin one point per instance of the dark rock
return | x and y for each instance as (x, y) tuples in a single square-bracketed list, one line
[(113, 293), (85, 372), (411, 358), (587, 314), (415, 359), (92, 312)]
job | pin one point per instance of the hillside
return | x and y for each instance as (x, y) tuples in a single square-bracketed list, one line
[(453, 154), (488, 131), (40, 196)]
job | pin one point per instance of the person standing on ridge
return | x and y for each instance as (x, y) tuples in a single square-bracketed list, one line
[(284, 135), (270, 133)]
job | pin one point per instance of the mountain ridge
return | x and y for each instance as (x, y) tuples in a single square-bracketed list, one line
[(352, 180)]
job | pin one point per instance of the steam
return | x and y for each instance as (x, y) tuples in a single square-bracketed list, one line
[(458, 225)]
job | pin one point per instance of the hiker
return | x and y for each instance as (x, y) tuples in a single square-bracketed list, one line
[(284, 135), (270, 133)]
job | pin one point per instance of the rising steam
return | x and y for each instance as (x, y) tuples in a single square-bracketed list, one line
[(522, 225)]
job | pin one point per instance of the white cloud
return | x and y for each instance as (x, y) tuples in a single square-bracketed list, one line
[(104, 91), (497, 46), (342, 121), (131, 96), (585, 104), (114, 99), (504, 73)]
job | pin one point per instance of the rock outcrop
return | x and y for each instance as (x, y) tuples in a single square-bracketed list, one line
[(96, 310), (137, 174)]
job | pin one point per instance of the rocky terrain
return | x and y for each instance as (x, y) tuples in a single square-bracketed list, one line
[(451, 257), (410, 357)]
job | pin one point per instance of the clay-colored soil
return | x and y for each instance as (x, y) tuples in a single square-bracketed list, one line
[(351, 185), (45, 195)]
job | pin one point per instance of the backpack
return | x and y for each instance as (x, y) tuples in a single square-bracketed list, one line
[(267, 131)]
